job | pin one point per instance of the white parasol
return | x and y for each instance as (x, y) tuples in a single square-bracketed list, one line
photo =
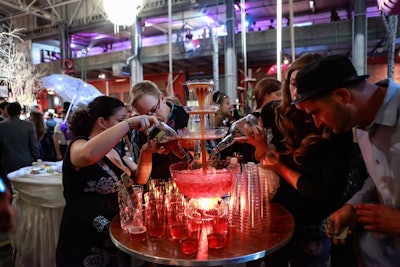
[(71, 89)]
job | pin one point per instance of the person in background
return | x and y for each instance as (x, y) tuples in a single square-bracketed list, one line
[(188, 35), (124, 149), (3, 116), (91, 179), (223, 117), (60, 142), (10, 133), (50, 124), (3, 111), (336, 97), (266, 90), (334, 15), (314, 166), (46, 145), (18, 141), (146, 98)]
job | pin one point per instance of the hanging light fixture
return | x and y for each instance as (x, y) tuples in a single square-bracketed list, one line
[(122, 12)]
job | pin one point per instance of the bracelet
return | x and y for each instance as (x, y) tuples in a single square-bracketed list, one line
[(130, 125)]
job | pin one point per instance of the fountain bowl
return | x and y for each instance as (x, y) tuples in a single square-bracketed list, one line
[(212, 182)]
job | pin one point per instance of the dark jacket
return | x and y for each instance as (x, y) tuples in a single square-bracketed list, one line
[(18, 144)]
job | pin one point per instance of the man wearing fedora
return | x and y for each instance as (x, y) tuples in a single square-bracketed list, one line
[(338, 98)]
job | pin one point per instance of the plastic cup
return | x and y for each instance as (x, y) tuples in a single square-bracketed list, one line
[(155, 217), (137, 226), (189, 241), (171, 187), (156, 185), (216, 225), (189, 245), (177, 227), (137, 233), (175, 217), (137, 195), (215, 240), (152, 196)]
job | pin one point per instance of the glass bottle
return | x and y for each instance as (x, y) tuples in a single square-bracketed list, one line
[(165, 136), (236, 131)]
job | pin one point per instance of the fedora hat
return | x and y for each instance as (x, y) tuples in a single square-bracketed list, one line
[(325, 75)]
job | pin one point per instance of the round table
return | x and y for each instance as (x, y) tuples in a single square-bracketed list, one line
[(239, 247), (39, 202)]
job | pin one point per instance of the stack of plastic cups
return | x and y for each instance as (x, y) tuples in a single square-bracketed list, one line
[(250, 201), (264, 184), (234, 194)]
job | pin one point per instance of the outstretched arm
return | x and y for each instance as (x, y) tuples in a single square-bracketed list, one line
[(91, 151)]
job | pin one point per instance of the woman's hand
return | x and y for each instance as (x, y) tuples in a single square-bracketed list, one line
[(257, 138), (142, 122), (270, 160)]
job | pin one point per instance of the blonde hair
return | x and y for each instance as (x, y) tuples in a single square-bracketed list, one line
[(144, 88)]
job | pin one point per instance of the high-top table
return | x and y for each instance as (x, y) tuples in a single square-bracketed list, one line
[(39, 202), (239, 247)]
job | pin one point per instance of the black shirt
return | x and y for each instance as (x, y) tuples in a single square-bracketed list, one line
[(177, 119)]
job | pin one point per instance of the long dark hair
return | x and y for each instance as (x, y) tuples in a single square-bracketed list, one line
[(82, 121), (297, 127)]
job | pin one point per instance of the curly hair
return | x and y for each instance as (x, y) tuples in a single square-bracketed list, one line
[(83, 120), (297, 127)]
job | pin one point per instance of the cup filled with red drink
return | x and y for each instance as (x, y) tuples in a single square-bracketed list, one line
[(216, 222), (174, 203), (189, 240), (155, 217)]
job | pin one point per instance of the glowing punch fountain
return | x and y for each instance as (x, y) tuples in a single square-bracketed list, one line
[(205, 178)]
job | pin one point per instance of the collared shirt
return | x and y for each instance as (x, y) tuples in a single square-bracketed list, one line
[(380, 147)]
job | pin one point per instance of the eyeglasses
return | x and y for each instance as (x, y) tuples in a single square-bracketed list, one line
[(154, 109)]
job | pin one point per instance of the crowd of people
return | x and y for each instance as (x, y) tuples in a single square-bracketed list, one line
[(330, 135)]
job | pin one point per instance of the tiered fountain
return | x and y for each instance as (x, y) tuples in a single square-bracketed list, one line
[(206, 179)]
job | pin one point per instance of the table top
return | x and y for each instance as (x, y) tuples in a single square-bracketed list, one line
[(239, 247), (45, 177)]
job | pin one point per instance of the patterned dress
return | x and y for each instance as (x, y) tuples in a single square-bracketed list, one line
[(91, 195)]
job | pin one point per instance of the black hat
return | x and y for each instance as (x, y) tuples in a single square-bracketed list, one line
[(325, 75)]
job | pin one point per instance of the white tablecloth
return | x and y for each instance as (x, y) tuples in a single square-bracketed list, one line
[(39, 202)]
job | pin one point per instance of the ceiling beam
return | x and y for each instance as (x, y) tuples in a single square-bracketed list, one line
[(32, 11)]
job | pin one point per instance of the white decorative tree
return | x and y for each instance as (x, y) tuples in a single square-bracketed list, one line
[(16, 68)]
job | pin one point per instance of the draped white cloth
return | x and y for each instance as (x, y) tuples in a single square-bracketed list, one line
[(39, 202)]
